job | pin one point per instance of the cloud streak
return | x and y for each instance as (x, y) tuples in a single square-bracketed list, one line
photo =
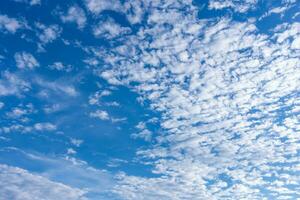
[(18, 184)]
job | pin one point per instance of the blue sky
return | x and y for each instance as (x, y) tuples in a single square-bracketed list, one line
[(149, 99)]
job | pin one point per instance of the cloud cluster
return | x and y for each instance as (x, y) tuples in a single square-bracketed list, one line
[(59, 66), (237, 6), (47, 34), (228, 95), (109, 29), (134, 10), (26, 60), (76, 15)]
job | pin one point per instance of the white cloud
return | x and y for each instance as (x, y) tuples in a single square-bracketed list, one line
[(109, 29), (21, 112), (47, 34), (286, 5), (9, 24), (96, 98), (53, 108), (116, 162), (296, 43), (103, 115), (71, 151), (68, 172), (76, 142), (134, 11), (12, 84), (45, 126), (19, 184), (75, 14), (17, 84), (20, 128), (237, 6), (35, 2), (17, 112), (59, 66), (57, 87), (143, 132), (97, 6), (116, 120), (100, 114), (26, 60)]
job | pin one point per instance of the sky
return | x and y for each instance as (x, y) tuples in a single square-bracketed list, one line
[(150, 99)]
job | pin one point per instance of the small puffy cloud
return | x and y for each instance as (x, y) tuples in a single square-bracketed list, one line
[(71, 151), (76, 142), (143, 132), (49, 33), (97, 6), (19, 184), (109, 29), (76, 15), (21, 111), (219, 4), (100, 114), (46, 126), (12, 84), (26, 60), (8, 24), (237, 6), (16, 113), (59, 66), (134, 11), (95, 99)]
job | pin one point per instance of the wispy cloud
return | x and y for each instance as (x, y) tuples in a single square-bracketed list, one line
[(57, 177), (19, 184), (30, 2)]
